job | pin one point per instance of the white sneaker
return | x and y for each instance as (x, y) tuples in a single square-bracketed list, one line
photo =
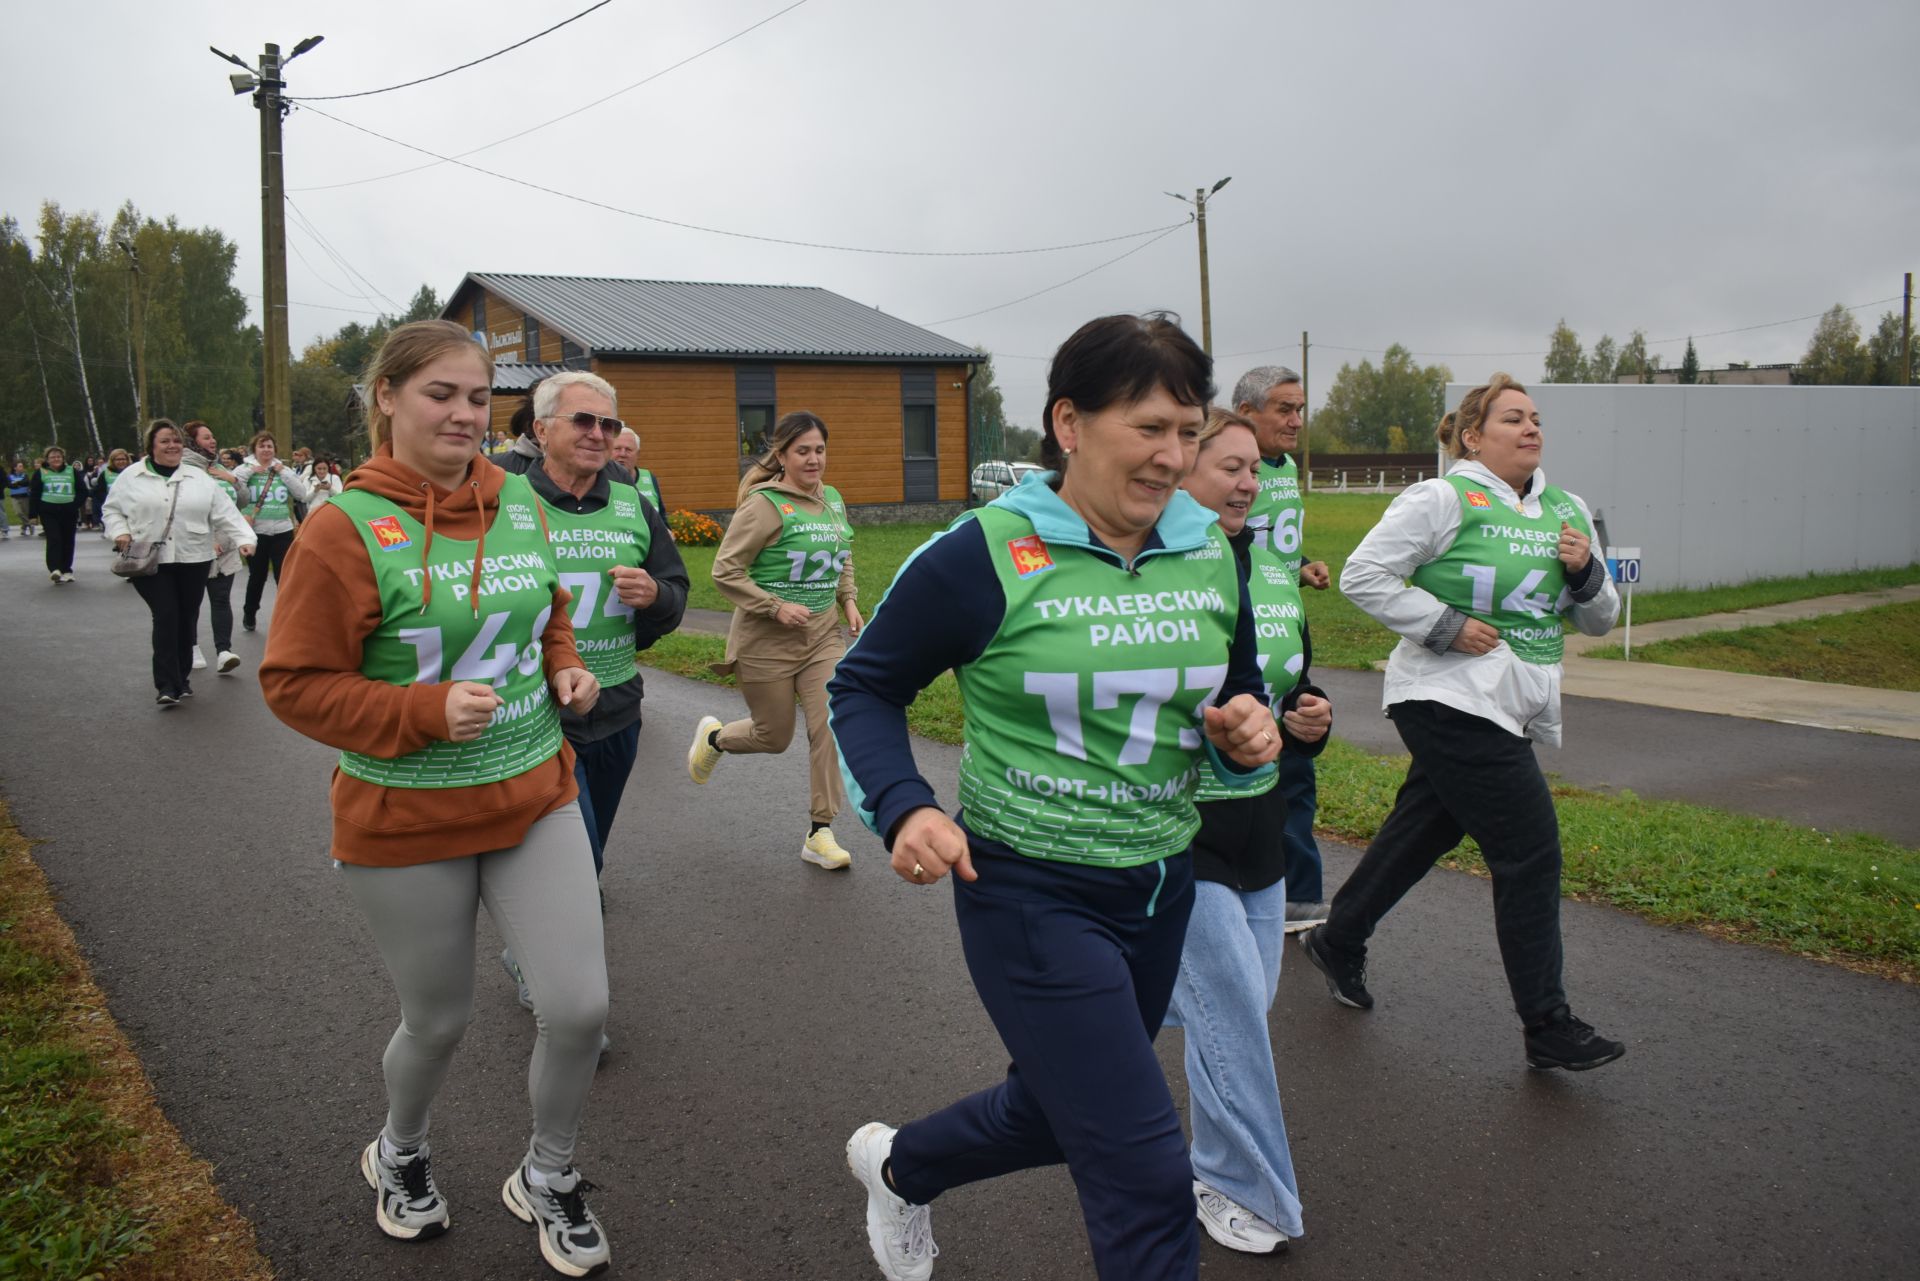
[(406, 1204), (901, 1235), (1235, 1226), (199, 659), (702, 756), (65, 577), (228, 661), (571, 1239)]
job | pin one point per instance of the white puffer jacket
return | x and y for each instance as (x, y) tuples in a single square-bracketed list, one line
[(137, 507)]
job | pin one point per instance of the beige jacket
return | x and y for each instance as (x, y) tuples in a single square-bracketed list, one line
[(758, 647)]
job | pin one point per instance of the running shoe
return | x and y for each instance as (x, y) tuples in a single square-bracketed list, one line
[(822, 850), (406, 1205), (167, 700), (53, 575), (1564, 1041), (1304, 916), (1233, 1225), (199, 659), (228, 660), (703, 755), (1346, 978), (247, 622), (571, 1240), (900, 1235), (65, 577)]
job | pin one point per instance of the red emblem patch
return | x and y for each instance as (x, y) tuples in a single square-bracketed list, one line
[(388, 531), (1030, 556), (786, 509), (1477, 499)]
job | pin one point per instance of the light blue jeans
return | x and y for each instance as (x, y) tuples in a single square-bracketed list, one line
[(1229, 972)]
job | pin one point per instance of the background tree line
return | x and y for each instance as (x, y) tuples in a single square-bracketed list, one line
[(1838, 355)]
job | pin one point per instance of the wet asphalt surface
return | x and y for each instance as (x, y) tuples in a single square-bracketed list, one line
[(1765, 1122)]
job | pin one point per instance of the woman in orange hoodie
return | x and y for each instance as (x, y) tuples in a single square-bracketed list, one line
[(422, 630)]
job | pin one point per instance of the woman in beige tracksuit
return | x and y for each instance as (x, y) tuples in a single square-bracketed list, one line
[(786, 563)]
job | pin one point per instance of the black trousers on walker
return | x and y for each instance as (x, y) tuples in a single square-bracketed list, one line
[(173, 595), (59, 520), (220, 609), (269, 551), (1468, 777)]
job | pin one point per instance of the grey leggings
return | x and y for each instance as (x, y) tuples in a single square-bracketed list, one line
[(543, 899)]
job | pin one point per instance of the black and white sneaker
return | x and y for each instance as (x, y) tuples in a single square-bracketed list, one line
[(406, 1204), (571, 1239), (1564, 1041), (1346, 977)]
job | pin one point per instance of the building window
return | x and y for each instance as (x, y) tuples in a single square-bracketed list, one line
[(531, 351), (754, 398), (572, 355), (480, 316), (919, 436), (918, 433)]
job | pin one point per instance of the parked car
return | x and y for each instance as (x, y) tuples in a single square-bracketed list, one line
[(990, 480)]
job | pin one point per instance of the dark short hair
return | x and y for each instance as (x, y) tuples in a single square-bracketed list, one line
[(522, 420), (158, 425), (1119, 359)]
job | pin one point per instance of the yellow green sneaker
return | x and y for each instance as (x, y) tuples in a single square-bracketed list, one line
[(703, 755), (823, 851)]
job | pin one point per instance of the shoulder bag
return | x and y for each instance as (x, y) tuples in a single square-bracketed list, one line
[(141, 559)]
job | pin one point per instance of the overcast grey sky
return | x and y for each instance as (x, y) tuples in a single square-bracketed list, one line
[(1455, 177)]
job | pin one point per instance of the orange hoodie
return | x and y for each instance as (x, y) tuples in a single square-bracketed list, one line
[(327, 605)]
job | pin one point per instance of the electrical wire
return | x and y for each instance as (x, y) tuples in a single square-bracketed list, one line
[(1063, 284), (368, 93), (434, 164), (307, 224), (747, 235)]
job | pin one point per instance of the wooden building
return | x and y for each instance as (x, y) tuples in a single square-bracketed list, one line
[(704, 370)]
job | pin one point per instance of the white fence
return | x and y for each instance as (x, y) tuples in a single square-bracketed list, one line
[(1727, 484)]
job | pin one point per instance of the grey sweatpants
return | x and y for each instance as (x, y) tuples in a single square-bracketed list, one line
[(543, 899)]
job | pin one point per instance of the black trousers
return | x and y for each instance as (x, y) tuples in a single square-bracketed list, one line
[(173, 597), (1468, 777), (59, 520), (220, 609), (269, 550)]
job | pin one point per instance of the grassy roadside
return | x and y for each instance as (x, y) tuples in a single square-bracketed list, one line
[(1878, 648), (94, 1180), (1849, 898), (1654, 607)]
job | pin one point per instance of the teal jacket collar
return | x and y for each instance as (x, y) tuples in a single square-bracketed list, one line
[(1182, 527)]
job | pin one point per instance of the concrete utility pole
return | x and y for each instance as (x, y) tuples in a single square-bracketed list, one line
[(1906, 333), (1199, 203), (265, 84)]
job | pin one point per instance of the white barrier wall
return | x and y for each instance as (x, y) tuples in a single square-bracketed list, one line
[(1726, 484)]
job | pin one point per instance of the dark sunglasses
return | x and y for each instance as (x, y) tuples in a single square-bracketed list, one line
[(584, 422)]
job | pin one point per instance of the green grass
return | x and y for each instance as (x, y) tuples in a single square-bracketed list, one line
[(1878, 648), (1654, 607), (60, 1216), (1839, 896), (1847, 897)]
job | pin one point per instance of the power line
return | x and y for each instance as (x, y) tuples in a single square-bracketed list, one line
[(1063, 284), (368, 93), (307, 224), (398, 173), (746, 235)]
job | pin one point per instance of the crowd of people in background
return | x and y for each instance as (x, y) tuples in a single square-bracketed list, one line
[(1133, 838)]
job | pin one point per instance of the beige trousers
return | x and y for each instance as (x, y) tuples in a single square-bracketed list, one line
[(768, 727)]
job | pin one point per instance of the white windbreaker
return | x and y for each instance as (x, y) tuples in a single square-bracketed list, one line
[(1419, 525), (137, 507)]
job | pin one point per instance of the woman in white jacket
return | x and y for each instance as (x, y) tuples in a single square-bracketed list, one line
[(158, 499), (1475, 571)]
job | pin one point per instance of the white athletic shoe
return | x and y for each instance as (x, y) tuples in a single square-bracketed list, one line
[(702, 756), (53, 575), (822, 850), (1235, 1226), (406, 1204), (228, 660), (199, 659), (900, 1235), (571, 1239), (65, 577)]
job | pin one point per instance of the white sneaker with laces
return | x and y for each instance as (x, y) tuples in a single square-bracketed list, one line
[(228, 660), (571, 1238), (702, 756), (1235, 1226), (199, 660), (406, 1205), (901, 1235)]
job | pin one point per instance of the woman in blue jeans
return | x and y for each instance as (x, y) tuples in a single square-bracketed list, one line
[(1244, 1188)]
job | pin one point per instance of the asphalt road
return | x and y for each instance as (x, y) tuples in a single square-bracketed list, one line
[(1765, 1122)]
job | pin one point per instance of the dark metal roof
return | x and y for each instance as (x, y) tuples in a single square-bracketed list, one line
[(684, 318), (508, 376)]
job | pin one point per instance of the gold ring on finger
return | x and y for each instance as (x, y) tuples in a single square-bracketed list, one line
[(918, 871)]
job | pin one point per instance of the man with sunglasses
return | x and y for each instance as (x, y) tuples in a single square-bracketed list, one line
[(628, 583)]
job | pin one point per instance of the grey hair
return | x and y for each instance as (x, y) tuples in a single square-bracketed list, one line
[(547, 394), (1257, 384), (628, 431)]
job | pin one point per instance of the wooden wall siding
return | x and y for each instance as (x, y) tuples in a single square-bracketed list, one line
[(684, 412), (506, 330), (861, 407)]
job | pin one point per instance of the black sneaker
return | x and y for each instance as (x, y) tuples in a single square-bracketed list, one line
[(1564, 1041), (167, 700), (1346, 980), (247, 622)]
